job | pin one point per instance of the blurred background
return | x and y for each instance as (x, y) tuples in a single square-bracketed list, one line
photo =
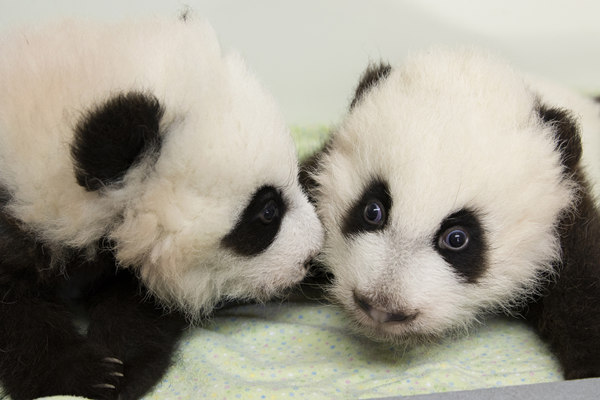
[(310, 53)]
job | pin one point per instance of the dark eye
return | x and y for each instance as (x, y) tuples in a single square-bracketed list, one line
[(370, 211), (455, 238), (269, 212), (374, 213), (258, 224)]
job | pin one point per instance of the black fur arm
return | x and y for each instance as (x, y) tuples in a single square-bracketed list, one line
[(568, 317)]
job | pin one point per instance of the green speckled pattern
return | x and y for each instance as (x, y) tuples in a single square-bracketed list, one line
[(304, 351)]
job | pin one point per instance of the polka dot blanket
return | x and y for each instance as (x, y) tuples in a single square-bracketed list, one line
[(303, 349)]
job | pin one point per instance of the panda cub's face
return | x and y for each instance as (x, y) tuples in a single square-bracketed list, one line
[(220, 214), (440, 194), (145, 137)]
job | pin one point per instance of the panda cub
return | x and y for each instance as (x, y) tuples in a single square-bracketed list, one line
[(454, 188), (134, 152)]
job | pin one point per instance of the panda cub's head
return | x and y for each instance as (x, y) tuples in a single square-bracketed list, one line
[(144, 137), (440, 194)]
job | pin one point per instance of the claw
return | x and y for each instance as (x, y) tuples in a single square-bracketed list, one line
[(117, 374), (112, 360), (104, 386)]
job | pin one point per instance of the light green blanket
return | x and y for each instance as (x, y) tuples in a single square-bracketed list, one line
[(304, 350)]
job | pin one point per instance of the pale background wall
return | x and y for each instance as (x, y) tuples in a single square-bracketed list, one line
[(309, 53)]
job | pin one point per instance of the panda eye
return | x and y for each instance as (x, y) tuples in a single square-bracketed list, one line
[(461, 242), (269, 212), (455, 239), (371, 210), (258, 224), (373, 213)]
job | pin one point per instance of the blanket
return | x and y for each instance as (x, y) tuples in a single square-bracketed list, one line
[(304, 350)]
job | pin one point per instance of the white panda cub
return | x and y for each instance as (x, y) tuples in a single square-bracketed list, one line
[(452, 189), (134, 151)]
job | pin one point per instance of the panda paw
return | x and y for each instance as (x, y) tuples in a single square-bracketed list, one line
[(88, 371), (110, 379)]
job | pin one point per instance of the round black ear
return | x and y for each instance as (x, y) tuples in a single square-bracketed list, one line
[(566, 133), (114, 136), (369, 78)]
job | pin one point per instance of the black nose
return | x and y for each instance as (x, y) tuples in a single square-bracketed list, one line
[(381, 315)]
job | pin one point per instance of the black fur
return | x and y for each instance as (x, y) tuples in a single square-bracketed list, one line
[(43, 352), (253, 233), (470, 262), (113, 137), (568, 142), (370, 78), (568, 314), (354, 223), (310, 166), (136, 330)]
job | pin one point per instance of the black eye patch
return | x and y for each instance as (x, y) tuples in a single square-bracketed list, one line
[(460, 241), (259, 223), (370, 213)]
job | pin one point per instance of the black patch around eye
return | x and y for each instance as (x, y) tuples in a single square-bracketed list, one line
[(357, 218), (468, 259), (113, 137), (259, 223)]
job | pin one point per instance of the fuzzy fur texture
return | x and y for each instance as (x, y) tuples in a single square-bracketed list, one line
[(142, 140), (462, 143), (223, 138)]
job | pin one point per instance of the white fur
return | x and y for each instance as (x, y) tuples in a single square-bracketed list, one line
[(224, 138), (446, 130)]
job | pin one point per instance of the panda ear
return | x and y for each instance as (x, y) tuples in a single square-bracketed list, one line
[(369, 78), (566, 134), (114, 136)]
